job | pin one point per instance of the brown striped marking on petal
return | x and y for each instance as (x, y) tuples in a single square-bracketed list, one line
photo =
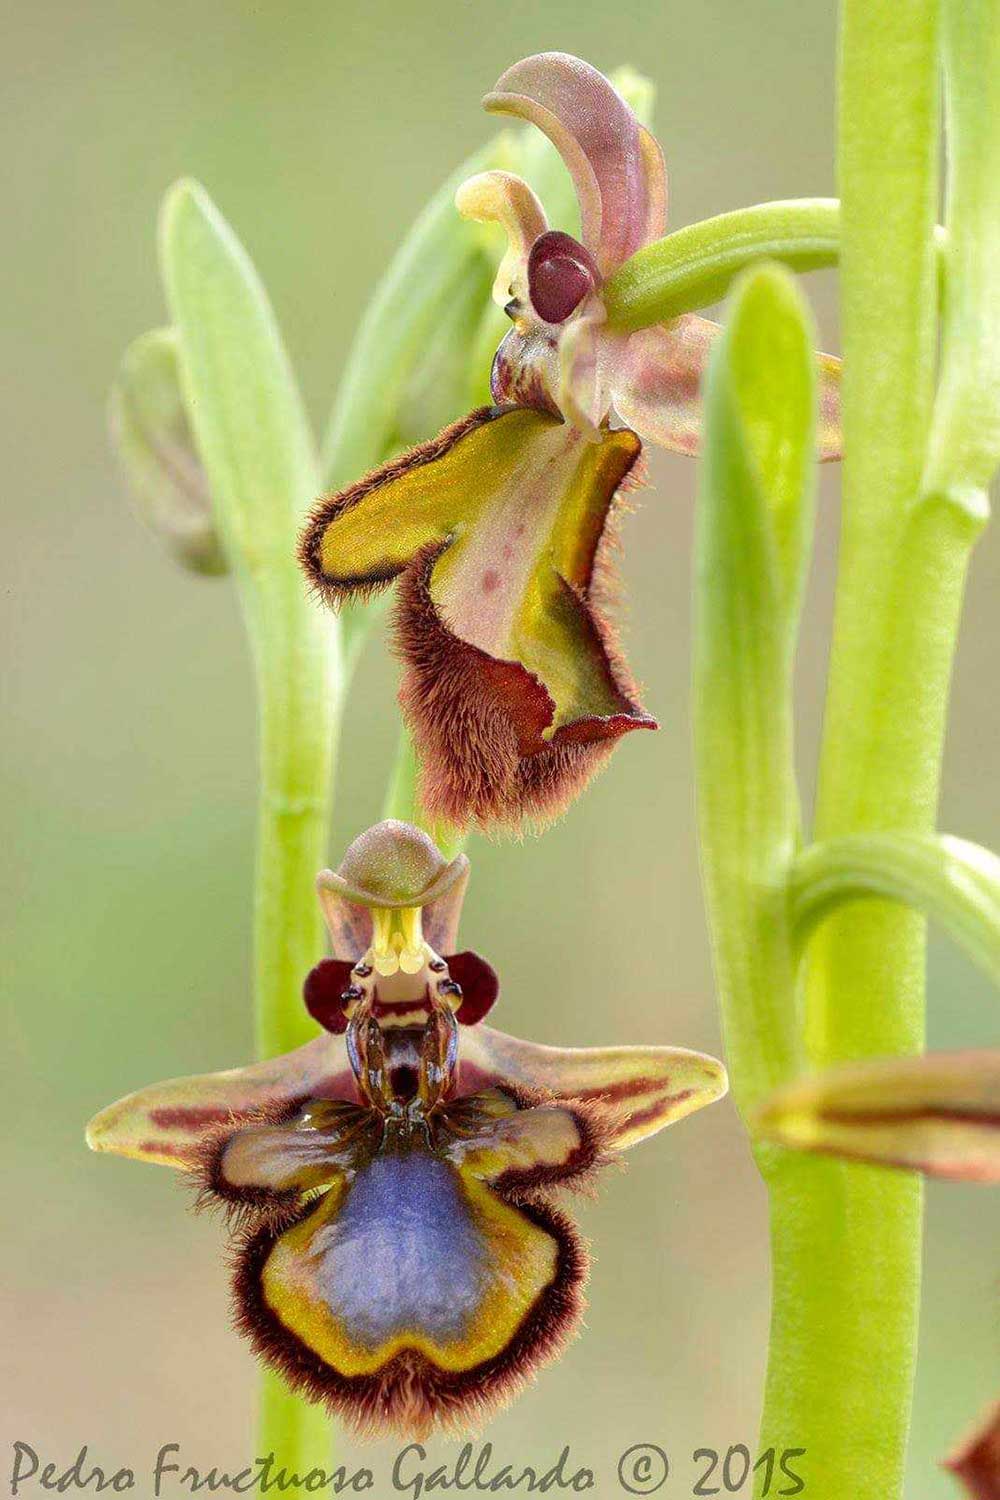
[(636, 1090), (169, 1122)]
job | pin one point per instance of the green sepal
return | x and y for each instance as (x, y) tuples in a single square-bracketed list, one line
[(152, 436)]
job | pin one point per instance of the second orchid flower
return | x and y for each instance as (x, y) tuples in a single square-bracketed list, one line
[(498, 530)]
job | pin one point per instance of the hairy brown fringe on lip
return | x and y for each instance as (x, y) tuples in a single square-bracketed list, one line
[(409, 1395), (477, 721)]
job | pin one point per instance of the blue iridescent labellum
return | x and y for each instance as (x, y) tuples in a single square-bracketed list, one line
[(398, 1259), (397, 1251)]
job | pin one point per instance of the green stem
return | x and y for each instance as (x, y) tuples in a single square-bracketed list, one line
[(401, 793), (695, 266), (301, 689), (297, 1432), (846, 1238)]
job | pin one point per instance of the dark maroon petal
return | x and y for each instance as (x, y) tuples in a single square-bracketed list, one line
[(322, 991), (479, 983), (560, 274)]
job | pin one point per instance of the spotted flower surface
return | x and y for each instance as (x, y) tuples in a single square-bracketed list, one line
[(499, 530), (398, 1253)]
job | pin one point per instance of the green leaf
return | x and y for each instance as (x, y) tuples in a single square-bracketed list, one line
[(257, 450), (151, 434), (244, 406), (965, 434), (773, 380), (753, 541), (948, 878)]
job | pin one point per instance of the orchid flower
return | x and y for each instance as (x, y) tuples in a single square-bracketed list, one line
[(390, 1184), (499, 530)]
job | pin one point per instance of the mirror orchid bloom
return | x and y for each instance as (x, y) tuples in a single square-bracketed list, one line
[(499, 531), (397, 1251)]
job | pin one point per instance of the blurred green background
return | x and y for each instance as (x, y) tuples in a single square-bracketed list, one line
[(128, 749)]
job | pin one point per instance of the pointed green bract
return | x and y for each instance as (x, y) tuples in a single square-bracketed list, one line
[(773, 383), (753, 542), (245, 408)]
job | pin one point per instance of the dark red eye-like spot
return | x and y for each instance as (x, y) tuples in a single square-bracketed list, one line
[(560, 274), (478, 983), (323, 993)]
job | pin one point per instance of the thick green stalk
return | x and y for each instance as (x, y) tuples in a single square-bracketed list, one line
[(300, 706), (846, 1239), (254, 441)]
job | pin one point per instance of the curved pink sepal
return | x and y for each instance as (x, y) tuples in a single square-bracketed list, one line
[(616, 166)]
